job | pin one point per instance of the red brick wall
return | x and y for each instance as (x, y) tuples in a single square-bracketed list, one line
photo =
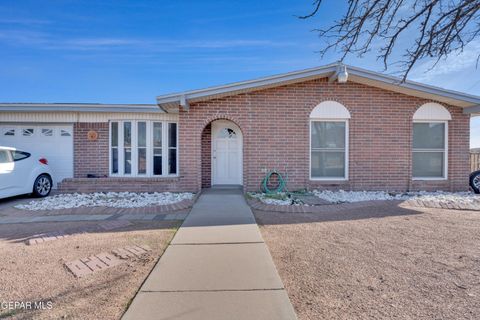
[(206, 156), (275, 126), (90, 156), (120, 185)]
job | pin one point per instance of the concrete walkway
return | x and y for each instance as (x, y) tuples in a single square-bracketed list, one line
[(217, 267)]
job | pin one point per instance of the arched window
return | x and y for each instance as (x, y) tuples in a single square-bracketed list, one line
[(430, 142), (329, 141)]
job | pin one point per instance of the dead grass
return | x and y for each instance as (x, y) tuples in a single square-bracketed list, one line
[(379, 261), (37, 273)]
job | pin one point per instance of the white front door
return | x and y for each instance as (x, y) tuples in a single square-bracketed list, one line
[(227, 145)]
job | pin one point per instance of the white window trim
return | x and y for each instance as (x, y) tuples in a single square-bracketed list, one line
[(445, 153), (134, 147), (346, 150)]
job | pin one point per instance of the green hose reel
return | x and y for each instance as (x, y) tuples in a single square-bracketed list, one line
[(281, 183)]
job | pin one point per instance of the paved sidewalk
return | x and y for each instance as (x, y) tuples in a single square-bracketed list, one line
[(217, 267)]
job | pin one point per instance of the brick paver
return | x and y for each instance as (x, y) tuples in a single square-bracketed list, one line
[(131, 251), (40, 238), (95, 263), (106, 225), (114, 224)]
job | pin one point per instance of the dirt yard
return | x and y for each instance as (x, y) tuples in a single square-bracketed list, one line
[(378, 261), (37, 272)]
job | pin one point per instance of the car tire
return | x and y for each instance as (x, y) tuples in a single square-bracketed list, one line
[(475, 181), (42, 186)]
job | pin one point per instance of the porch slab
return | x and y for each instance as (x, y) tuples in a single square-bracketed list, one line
[(214, 267), (233, 204), (218, 219), (232, 305)]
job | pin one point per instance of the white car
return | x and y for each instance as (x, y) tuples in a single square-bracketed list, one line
[(22, 172)]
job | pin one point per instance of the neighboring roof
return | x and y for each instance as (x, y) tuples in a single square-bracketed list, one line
[(355, 74), (78, 107)]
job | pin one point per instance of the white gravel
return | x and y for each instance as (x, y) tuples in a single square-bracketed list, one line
[(110, 199), (466, 199), (342, 196), (283, 201)]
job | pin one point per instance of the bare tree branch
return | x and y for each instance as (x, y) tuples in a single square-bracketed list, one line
[(419, 28), (316, 4)]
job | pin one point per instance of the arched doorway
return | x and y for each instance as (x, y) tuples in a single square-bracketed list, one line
[(226, 153)]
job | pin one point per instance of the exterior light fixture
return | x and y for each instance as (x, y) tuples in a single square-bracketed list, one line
[(342, 74)]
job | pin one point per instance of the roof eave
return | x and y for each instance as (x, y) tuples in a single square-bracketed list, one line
[(72, 107), (463, 99)]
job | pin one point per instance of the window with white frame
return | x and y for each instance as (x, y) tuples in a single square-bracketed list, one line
[(143, 148), (329, 141), (430, 142)]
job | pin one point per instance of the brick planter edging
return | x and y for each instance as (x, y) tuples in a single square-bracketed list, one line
[(184, 204), (442, 204)]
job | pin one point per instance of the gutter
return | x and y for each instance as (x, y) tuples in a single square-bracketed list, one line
[(472, 110), (72, 107)]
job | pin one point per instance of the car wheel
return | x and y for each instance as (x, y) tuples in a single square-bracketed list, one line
[(42, 186), (475, 181)]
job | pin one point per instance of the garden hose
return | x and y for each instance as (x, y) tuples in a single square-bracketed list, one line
[(281, 182)]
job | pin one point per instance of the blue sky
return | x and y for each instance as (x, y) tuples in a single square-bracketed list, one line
[(119, 51)]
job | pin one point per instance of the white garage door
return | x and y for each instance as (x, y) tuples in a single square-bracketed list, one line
[(54, 142)]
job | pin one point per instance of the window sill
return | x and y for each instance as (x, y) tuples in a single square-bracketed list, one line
[(429, 179), (329, 179), (143, 177)]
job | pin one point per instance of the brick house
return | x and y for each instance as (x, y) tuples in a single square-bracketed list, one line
[(335, 126)]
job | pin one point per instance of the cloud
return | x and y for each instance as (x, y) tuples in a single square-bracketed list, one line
[(23, 21), (456, 62), (41, 40), (23, 37)]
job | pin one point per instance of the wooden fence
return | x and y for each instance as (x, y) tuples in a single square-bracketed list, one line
[(474, 161)]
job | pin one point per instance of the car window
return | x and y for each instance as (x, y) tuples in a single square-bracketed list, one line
[(19, 155), (5, 156)]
